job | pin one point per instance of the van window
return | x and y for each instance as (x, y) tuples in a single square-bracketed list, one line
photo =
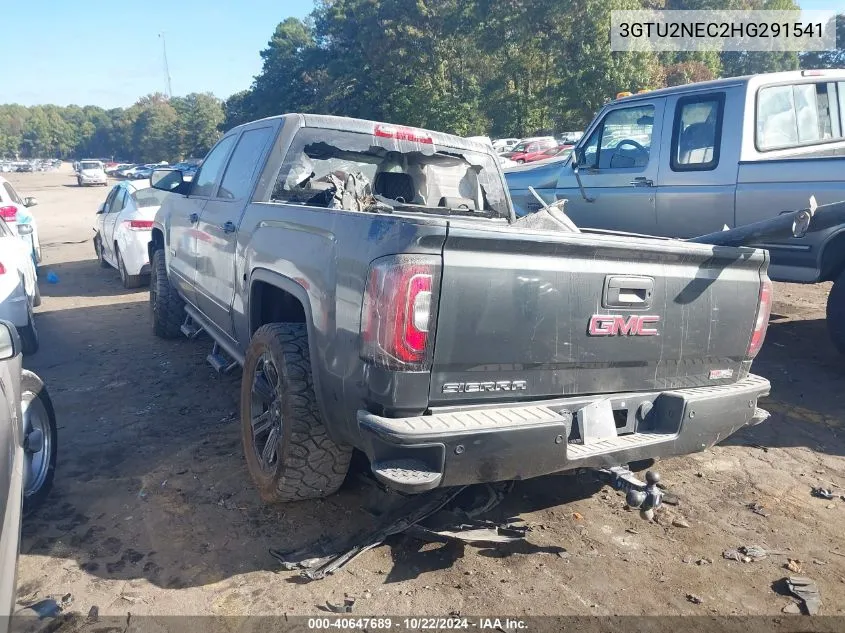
[(697, 132), (622, 140), (798, 114)]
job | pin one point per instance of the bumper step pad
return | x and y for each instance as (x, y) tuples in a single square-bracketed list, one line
[(406, 475)]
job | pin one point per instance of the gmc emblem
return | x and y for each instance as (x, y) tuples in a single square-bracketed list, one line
[(615, 325)]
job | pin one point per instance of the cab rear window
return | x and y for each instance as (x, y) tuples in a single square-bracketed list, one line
[(799, 114)]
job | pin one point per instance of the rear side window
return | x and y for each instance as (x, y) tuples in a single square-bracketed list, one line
[(209, 174), (237, 180), (697, 132), (798, 114)]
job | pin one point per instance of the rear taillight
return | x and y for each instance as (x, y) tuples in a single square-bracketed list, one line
[(9, 214), (138, 225), (399, 312), (2, 269), (761, 324)]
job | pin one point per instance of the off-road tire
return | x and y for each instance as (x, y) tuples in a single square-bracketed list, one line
[(32, 385), (98, 249), (79, 182), (836, 313), (129, 281), (309, 465), (29, 336), (166, 306)]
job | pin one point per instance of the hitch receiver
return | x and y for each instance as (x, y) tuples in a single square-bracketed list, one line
[(645, 496)]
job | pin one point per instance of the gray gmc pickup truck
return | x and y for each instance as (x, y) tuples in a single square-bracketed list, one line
[(380, 294)]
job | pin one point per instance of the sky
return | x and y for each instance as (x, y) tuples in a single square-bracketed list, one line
[(92, 52)]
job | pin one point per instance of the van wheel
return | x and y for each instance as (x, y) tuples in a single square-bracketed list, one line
[(166, 306), (836, 313), (40, 441), (289, 454)]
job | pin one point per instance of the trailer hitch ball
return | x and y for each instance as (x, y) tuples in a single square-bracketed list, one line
[(648, 499)]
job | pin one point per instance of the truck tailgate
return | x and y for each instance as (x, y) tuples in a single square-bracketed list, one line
[(527, 315)]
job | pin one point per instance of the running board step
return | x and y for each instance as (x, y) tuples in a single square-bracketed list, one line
[(406, 475), (190, 328), (219, 361)]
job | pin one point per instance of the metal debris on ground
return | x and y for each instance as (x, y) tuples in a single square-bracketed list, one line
[(805, 590), (758, 508), (822, 493), (746, 553), (704, 561), (346, 607), (67, 600), (475, 532), (406, 515), (691, 597)]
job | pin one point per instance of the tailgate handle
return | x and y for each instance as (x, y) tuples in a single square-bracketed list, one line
[(628, 292)]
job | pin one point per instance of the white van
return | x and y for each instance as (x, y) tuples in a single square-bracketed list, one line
[(91, 172)]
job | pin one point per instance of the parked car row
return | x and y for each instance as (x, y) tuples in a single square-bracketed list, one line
[(516, 149), (23, 166)]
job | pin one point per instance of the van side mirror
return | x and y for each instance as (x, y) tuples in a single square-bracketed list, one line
[(29, 202), (10, 342)]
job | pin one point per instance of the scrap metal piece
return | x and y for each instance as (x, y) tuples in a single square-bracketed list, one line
[(805, 590), (790, 224), (346, 607), (409, 512), (477, 532)]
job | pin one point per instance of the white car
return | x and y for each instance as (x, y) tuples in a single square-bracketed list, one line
[(505, 144), (122, 230), (91, 172), (14, 211), (18, 288)]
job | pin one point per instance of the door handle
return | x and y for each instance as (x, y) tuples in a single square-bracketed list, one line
[(194, 218), (229, 227), (642, 181), (627, 292)]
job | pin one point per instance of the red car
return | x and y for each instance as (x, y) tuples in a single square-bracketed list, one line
[(548, 153), (529, 146)]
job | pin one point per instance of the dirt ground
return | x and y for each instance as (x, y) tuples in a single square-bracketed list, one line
[(153, 511)]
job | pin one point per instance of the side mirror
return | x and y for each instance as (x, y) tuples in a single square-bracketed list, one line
[(30, 202), (169, 180), (10, 342)]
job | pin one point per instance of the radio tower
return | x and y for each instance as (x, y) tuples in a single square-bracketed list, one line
[(168, 88)]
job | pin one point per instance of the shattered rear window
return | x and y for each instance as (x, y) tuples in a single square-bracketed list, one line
[(364, 172)]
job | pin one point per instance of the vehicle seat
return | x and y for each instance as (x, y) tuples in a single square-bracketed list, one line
[(696, 144), (396, 186)]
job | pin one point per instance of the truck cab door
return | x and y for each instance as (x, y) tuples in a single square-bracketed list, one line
[(618, 166), (697, 182), (219, 227), (185, 216)]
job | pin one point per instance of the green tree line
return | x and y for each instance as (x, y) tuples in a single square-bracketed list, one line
[(470, 67), (155, 128)]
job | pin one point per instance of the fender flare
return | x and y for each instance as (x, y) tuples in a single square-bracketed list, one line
[(839, 235), (296, 290)]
